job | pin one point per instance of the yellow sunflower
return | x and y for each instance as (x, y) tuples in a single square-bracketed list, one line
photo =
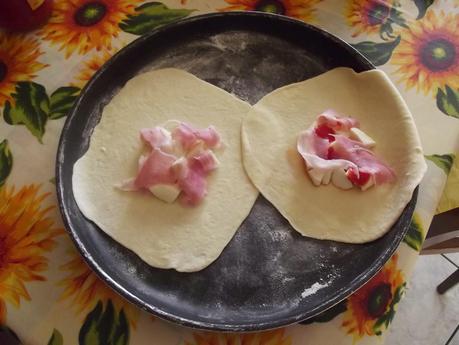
[(82, 25), (300, 9), (275, 337), (90, 67), (84, 289), (428, 54), (18, 62), (367, 16), (373, 305), (26, 235)]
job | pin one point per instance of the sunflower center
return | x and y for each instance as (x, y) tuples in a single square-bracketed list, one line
[(438, 54), (270, 6), (378, 300), (90, 13), (3, 70), (377, 14)]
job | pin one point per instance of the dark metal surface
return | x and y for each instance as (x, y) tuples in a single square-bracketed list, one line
[(269, 275)]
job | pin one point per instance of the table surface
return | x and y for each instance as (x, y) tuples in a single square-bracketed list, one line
[(48, 295)]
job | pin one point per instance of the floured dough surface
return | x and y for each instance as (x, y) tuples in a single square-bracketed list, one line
[(270, 131), (165, 235)]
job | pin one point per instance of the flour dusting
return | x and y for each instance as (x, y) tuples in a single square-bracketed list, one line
[(313, 289)]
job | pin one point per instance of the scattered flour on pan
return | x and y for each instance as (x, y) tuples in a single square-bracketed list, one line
[(280, 235), (287, 279), (313, 289)]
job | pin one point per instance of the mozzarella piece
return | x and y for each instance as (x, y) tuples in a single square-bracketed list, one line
[(320, 176), (359, 135), (165, 192), (339, 179), (180, 168), (316, 176), (327, 177)]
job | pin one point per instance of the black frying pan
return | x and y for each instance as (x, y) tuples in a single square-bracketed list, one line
[(269, 275)]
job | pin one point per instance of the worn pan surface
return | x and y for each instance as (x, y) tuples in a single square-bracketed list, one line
[(269, 275)]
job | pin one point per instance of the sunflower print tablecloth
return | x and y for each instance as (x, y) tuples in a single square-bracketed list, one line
[(47, 293)]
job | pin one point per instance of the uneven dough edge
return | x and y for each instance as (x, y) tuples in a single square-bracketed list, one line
[(167, 236), (276, 108)]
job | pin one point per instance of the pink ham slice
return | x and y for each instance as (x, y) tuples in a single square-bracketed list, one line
[(194, 185), (311, 142), (314, 150), (204, 161), (190, 174), (324, 148), (156, 137), (128, 184), (366, 161), (162, 167), (331, 119), (156, 169), (187, 135)]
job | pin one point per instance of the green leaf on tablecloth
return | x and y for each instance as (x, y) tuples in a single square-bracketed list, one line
[(106, 322), (105, 326), (52, 180), (327, 315), (56, 338), (422, 6), (386, 31), (61, 101), (121, 334), (395, 17), (30, 108), (444, 162), (386, 319), (377, 53), (149, 16), (89, 331), (448, 102), (415, 235), (6, 161)]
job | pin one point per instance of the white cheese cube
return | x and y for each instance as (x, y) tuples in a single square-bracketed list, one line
[(327, 177), (359, 135), (180, 168), (340, 180), (316, 176), (165, 192)]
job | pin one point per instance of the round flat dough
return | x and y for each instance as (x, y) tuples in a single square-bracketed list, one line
[(270, 132), (165, 235)]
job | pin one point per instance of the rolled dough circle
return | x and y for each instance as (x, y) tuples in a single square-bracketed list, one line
[(270, 132), (165, 235)]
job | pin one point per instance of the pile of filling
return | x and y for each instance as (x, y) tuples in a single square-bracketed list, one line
[(336, 150), (177, 164)]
